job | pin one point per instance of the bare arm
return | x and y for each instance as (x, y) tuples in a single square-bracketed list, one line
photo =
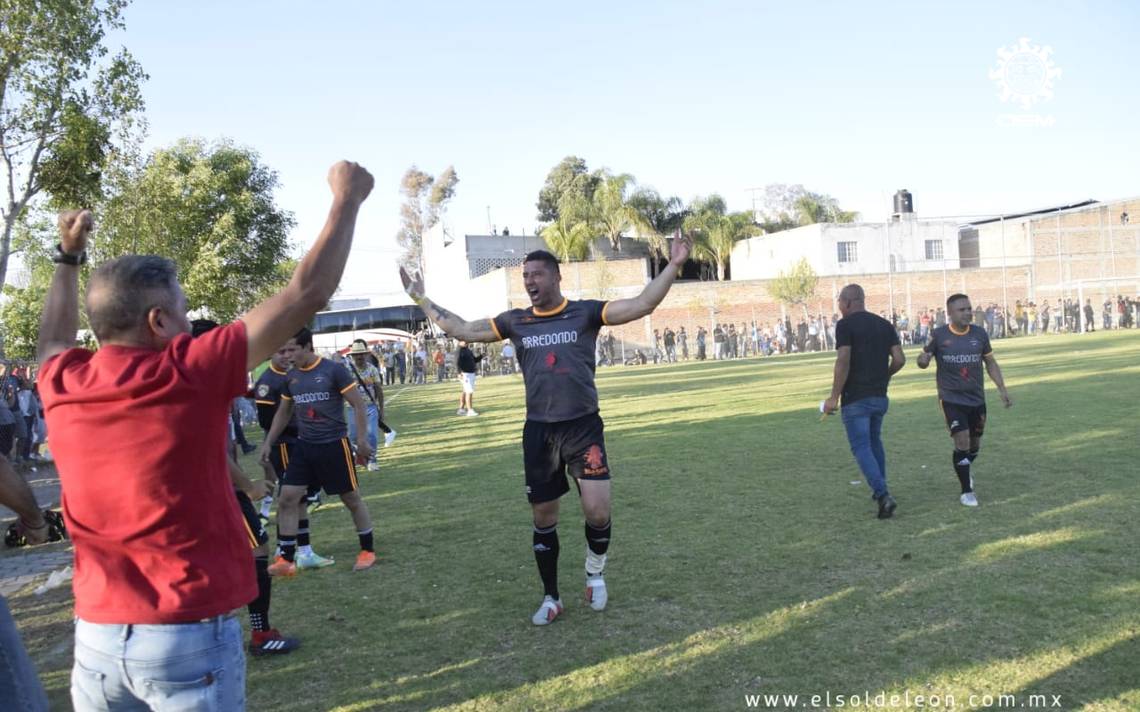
[(280, 421), (271, 323), (994, 370), (480, 331), (16, 494), (898, 360), (60, 318), (621, 311), (839, 379)]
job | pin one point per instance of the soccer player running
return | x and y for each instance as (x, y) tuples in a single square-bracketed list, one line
[(554, 340), (317, 388), (961, 347)]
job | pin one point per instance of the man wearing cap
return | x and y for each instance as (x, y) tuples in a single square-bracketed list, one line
[(368, 380)]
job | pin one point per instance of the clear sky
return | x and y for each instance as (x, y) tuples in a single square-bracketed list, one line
[(851, 99)]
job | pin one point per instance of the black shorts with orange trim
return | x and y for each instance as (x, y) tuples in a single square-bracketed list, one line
[(253, 526), (327, 465), (965, 417), (279, 456), (553, 450)]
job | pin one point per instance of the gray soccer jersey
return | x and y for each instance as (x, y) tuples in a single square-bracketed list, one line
[(317, 393), (959, 358), (556, 354)]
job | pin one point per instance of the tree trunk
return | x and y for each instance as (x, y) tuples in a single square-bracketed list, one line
[(6, 245)]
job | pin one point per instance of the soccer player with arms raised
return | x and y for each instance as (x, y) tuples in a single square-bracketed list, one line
[(554, 339), (961, 347)]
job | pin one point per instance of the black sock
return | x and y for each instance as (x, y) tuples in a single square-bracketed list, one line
[(365, 540), (288, 546), (384, 428), (973, 455), (598, 539), (303, 532), (546, 556), (962, 469), (259, 607)]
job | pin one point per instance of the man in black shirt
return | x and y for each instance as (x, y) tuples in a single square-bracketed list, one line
[(554, 340), (864, 342), (468, 364)]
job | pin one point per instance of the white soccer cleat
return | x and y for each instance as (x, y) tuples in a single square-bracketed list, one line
[(550, 609), (596, 594), (969, 499), (472, 413), (389, 438), (461, 411)]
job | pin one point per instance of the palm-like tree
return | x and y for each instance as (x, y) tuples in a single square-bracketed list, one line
[(612, 212), (715, 231), (657, 218), (568, 240)]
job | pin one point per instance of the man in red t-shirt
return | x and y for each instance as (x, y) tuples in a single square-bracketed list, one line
[(160, 565)]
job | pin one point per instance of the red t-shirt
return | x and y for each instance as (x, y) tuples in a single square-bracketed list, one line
[(138, 438)]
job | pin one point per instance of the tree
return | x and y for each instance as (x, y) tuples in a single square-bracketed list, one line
[(715, 231), (425, 200), (568, 241), (789, 206), (656, 218), (612, 211), (568, 183), (62, 103), (209, 208), (795, 287)]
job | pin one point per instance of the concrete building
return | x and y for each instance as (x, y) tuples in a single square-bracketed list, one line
[(842, 249)]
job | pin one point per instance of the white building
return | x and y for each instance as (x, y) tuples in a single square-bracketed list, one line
[(835, 249)]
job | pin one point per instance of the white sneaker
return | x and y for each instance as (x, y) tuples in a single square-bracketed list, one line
[(461, 411), (472, 413), (389, 438), (550, 609), (596, 594), (969, 499)]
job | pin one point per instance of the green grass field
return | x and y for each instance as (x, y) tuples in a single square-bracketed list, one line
[(745, 560)]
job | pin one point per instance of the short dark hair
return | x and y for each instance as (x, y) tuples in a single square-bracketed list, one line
[(953, 298), (201, 326), (543, 256), (126, 289), (304, 337)]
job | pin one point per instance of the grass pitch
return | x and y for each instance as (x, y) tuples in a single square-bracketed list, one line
[(746, 556)]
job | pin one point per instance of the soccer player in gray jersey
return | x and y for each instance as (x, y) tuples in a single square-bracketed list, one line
[(961, 347), (554, 342), (317, 389)]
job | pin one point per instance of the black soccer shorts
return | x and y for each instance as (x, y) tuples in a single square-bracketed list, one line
[(327, 465), (965, 417), (550, 450), (253, 526)]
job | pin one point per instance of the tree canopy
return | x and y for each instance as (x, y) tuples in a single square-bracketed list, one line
[(425, 200), (795, 286), (208, 207), (65, 101)]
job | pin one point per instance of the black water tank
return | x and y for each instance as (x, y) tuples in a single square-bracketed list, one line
[(904, 202)]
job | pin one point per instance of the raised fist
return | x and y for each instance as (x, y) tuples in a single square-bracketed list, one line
[(350, 181), (413, 285), (74, 227)]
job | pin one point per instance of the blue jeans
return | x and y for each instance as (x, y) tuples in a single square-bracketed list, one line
[(20, 689), (372, 416), (863, 420), (193, 666)]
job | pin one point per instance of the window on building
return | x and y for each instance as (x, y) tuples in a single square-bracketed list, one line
[(934, 249), (848, 252)]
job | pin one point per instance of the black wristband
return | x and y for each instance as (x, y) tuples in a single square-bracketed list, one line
[(62, 258)]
